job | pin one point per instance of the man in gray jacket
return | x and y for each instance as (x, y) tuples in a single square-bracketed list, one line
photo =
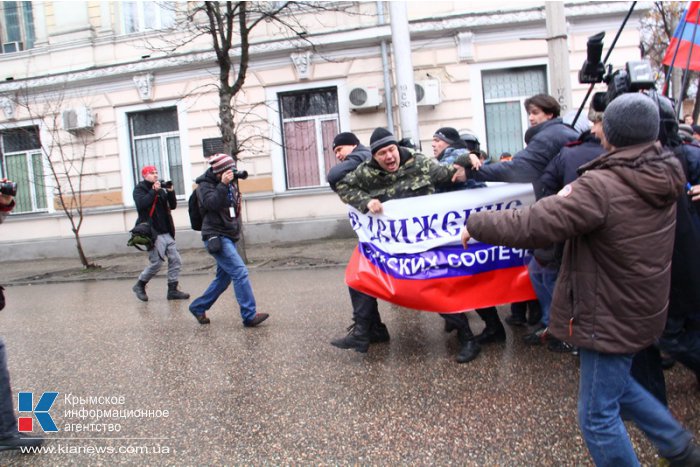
[(611, 297)]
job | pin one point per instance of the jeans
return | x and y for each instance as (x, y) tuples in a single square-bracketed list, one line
[(543, 279), (165, 247), (229, 268), (607, 394), (8, 422)]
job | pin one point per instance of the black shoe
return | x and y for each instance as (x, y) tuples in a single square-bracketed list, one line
[(140, 290), (20, 441), (449, 327), (514, 320), (538, 337), (174, 294), (257, 319), (201, 319), (490, 334), (689, 457), (358, 338), (469, 351), (555, 345), (378, 333)]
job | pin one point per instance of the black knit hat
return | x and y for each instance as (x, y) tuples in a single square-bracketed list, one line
[(381, 138), (447, 134), (345, 139), (630, 119)]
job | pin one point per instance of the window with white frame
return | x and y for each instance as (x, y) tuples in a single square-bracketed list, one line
[(155, 140), (309, 123), (505, 91), (22, 162), (17, 23), (145, 15)]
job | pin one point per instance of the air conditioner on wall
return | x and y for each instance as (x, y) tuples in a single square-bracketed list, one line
[(79, 118), (364, 98), (428, 92), (9, 47)]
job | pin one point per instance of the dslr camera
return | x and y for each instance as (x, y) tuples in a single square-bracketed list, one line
[(167, 185), (636, 76), (239, 174), (8, 188)]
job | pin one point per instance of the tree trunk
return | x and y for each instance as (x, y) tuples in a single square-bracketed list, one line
[(83, 259)]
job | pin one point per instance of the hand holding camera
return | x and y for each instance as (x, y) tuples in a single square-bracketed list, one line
[(8, 190), (168, 185)]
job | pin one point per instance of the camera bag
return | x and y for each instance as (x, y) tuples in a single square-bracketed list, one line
[(143, 237)]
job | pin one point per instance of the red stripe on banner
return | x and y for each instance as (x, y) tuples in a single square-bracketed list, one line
[(682, 55), (449, 295)]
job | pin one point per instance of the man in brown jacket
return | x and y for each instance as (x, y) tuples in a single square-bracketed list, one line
[(611, 297)]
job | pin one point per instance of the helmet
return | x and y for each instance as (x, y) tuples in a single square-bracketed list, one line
[(470, 140)]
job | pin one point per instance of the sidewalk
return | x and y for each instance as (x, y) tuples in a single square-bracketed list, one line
[(300, 255)]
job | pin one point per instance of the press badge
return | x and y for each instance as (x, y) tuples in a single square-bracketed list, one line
[(232, 212)]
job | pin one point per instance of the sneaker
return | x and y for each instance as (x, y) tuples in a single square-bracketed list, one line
[(516, 320), (20, 441), (538, 337), (201, 319), (555, 345), (257, 319)]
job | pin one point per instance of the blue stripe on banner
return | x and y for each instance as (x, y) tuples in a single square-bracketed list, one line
[(445, 261), (690, 29)]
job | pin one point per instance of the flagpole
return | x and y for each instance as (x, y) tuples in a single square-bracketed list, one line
[(686, 72)]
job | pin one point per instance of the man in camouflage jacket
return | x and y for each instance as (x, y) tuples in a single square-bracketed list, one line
[(393, 173)]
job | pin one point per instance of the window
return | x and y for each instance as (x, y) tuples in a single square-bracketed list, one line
[(17, 26), (155, 140), (505, 92), (22, 163), (144, 15), (309, 124)]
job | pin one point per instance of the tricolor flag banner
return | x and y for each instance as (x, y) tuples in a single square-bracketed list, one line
[(686, 37), (411, 254)]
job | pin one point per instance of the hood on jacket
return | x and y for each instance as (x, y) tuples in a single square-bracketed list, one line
[(650, 169), (533, 130), (207, 176)]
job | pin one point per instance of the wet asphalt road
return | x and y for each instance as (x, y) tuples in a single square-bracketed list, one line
[(280, 394)]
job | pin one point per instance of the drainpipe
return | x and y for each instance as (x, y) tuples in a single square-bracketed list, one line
[(388, 95), (405, 86)]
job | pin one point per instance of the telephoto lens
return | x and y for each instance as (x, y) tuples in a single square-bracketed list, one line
[(240, 174)]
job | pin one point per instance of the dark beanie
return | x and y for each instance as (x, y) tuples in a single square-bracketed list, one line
[(381, 138), (630, 119), (447, 134), (345, 139)]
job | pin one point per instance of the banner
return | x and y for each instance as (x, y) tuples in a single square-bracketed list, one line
[(411, 254), (685, 38)]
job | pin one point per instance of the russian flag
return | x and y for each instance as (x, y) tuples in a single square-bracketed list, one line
[(684, 48), (411, 255)]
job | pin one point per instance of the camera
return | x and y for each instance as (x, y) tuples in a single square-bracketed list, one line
[(167, 185), (636, 76), (239, 174), (8, 188)]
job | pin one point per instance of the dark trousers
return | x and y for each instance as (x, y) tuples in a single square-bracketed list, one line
[(460, 322), (8, 422), (647, 371), (365, 308)]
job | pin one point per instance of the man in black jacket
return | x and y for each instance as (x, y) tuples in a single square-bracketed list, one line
[(218, 201), (350, 153), (155, 202)]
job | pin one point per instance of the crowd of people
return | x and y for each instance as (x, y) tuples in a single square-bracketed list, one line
[(603, 197)]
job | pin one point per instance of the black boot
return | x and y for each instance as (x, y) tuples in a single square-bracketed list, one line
[(140, 290), (357, 338), (174, 294), (494, 330), (689, 457), (469, 347), (518, 313), (378, 333)]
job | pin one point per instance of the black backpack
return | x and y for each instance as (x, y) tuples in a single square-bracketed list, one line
[(195, 211)]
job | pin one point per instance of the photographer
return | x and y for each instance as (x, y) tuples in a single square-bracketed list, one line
[(154, 203), (218, 201), (10, 437)]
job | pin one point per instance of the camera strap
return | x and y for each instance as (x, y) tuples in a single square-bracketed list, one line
[(153, 206)]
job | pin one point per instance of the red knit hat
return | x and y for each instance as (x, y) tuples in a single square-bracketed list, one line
[(221, 163), (148, 170)]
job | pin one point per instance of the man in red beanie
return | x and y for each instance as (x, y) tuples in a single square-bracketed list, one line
[(154, 203)]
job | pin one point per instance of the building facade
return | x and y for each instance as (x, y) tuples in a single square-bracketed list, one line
[(94, 90)]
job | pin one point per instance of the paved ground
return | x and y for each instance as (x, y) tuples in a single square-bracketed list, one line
[(280, 394)]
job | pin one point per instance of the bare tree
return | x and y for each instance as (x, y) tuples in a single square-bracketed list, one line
[(65, 155)]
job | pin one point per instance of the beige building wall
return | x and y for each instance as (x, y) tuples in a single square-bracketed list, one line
[(82, 59)]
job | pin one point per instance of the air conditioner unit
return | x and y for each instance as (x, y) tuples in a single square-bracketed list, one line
[(79, 118), (428, 92), (365, 98), (9, 47)]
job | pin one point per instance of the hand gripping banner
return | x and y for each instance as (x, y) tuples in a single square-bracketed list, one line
[(411, 254)]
